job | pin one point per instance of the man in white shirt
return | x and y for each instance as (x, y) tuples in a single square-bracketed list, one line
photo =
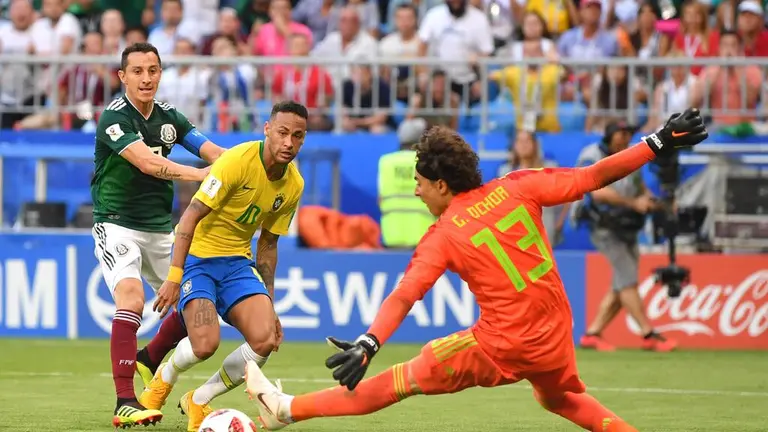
[(17, 93), (349, 42), (57, 31), (454, 31), (403, 43), (184, 86), (200, 17), (164, 37)]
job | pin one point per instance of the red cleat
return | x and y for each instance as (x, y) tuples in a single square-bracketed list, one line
[(596, 343), (658, 343)]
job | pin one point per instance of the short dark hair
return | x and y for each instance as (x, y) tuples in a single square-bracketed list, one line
[(410, 7), (178, 2), (141, 29), (289, 106), (442, 154), (141, 47)]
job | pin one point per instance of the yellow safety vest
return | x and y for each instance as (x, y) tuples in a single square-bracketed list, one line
[(404, 217)]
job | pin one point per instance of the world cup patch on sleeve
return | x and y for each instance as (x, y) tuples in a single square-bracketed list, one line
[(211, 186), (114, 132)]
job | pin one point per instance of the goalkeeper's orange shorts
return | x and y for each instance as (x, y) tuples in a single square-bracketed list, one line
[(456, 362)]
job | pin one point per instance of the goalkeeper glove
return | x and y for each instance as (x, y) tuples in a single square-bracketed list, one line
[(352, 360), (680, 131)]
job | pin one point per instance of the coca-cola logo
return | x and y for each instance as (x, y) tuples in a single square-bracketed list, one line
[(728, 310)]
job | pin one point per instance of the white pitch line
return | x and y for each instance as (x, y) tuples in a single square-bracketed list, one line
[(647, 390)]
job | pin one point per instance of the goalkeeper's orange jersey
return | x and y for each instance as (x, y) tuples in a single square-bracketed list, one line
[(494, 239)]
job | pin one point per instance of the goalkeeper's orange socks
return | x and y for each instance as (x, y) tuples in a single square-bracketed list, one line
[(371, 395), (585, 411)]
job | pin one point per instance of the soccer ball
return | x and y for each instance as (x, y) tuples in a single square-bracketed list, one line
[(227, 420)]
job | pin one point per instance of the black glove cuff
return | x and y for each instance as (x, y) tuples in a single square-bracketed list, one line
[(369, 343), (655, 142)]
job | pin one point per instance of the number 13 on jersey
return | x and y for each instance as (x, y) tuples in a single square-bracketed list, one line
[(533, 238)]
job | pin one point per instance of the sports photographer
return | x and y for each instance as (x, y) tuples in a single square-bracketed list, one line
[(614, 216)]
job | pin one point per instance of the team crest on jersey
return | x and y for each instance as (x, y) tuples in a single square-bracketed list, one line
[(168, 134), (279, 199), (187, 287), (121, 249)]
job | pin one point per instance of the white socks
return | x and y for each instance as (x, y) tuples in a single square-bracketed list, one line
[(231, 374), (182, 359)]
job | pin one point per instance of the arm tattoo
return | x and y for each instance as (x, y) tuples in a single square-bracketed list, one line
[(166, 174), (184, 235), (266, 259), (205, 315)]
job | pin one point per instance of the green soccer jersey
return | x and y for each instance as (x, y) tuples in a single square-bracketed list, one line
[(121, 193)]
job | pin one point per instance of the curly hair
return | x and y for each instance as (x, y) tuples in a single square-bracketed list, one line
[(442, 154)]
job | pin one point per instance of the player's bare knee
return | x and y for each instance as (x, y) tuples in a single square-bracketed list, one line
[(264, 344), (205, 347), (129, 295)]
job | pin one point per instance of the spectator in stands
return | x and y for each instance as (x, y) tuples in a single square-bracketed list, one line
[(694, 38), (532, 32), (731, 92), (253, 14), (368, 10), (133, 13), (421, 6), (272, 39), (456, 31), (349, 42), (401, 44), (310, 85), (525, 153), (82, 90), (607, 98), (186, 86), (560, 15), (164, 36), (57, 30), (315, 14), (588, 41), (18, 93), (672, 95), (113, 27), (645, 40), (366, 102), (750, 24), (500, 16), (134, 35), (232, 88), (229, 25), (88, 13), (534, 89), (435, 102), (200, 17)]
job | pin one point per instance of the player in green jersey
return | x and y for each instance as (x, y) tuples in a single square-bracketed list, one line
[(132, 191)]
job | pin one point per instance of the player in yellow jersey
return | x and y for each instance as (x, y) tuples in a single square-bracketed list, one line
[(253, 185)]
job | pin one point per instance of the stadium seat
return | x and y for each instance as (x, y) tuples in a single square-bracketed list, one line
[(43, 215)]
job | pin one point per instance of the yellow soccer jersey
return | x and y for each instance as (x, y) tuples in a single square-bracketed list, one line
[(243, 200)]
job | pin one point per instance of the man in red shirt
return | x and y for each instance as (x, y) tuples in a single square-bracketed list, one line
[(492, 236)]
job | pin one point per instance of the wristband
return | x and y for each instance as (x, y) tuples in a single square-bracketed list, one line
[(175, 274)]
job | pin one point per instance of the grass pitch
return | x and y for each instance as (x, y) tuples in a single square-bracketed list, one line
[(56, 385)]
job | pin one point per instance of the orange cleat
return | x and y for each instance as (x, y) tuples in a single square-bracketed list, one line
[(595, 342)]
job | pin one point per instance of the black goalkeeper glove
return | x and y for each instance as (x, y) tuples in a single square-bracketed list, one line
[(352, 360), (680, 131)]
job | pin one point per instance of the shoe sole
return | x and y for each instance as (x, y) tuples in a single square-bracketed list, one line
[(151, 420)]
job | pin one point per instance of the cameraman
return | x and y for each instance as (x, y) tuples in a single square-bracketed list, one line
[(614, 216)]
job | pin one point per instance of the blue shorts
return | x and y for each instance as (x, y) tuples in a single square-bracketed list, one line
[(225, 281)]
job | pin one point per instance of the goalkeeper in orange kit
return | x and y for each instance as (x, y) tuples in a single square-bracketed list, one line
[(492, 236)]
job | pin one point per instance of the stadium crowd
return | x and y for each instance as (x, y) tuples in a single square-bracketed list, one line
[(456, 34)]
